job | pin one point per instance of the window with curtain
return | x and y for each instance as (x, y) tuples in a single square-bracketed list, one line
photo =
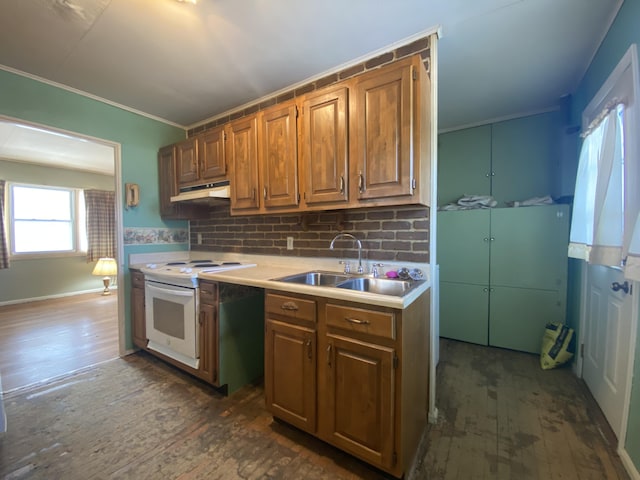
[(606, 204), (101, 224), (45, 220), (598, 208)]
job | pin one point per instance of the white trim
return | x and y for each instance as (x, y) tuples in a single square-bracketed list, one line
[(82, 93), (582, 314), (117, 170), (628, 464), (434, 324), (57, 295), (400, 43), (628, 61)]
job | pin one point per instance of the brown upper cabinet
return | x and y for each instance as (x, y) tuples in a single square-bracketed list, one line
[(325, 147), (168, 187), (278, 150), (392, 135), (202, 158), (362, 142), (242, 151)]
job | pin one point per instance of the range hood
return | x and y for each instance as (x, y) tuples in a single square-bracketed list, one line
[(205, 193)]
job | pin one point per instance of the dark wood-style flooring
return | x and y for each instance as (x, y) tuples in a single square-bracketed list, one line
[(45, 339), (502, 417)]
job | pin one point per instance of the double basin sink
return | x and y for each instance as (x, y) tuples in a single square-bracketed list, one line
[(381, 286)]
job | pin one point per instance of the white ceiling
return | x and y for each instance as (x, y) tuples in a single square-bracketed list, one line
[(187, 63)]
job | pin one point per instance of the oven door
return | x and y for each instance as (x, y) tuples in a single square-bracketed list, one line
[(171, 318)]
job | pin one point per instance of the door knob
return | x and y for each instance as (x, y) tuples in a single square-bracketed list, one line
[(615, 286)]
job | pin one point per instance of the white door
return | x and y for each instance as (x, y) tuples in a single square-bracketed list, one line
[(607, 341)]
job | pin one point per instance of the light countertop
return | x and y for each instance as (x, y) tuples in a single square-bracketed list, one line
[(262, 275), (270, 267)]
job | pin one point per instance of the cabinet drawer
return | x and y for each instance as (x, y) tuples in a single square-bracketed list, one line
[(291, 307), (137, 279), (371, 322), (208, 292)]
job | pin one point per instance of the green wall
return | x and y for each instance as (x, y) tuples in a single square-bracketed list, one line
[(621, 35), (139, 138), (49, 276)]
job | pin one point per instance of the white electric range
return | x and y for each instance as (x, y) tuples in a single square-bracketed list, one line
[(172, 306)]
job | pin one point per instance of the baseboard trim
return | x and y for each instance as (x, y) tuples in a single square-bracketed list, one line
[(628, 464), (57, 295)]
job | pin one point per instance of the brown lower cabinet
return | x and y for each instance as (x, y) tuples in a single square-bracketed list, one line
[(352, 374)]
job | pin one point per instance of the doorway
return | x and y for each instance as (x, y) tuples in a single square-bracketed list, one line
[(54, 156)]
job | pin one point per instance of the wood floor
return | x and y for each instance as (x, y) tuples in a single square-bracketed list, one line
[(136, 417), (45, 339)]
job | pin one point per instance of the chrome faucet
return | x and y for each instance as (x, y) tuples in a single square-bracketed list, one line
[(358, 243)]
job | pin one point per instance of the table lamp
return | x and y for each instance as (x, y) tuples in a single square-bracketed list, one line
[(106, 268)]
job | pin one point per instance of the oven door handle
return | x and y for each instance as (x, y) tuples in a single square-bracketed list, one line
[(179, 291)]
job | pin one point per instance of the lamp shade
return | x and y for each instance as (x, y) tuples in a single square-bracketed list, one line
[(105, 267)]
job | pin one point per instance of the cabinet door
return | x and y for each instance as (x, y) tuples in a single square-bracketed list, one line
[(139, 329), (463, 246), (464, 164), (290, 373), (529, 249), (325, 149), (242, 144), (208, 343), (524, 152), (518, 316), (464, 312), (187, 161), (279, 156), (384, 117), (211, 154), (360, 410), (167, 186)]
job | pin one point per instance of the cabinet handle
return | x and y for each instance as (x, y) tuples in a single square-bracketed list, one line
[(253, 194), (264, 193), (329, 355), (490, 174), (485, 239), (342, 184), (360, 182), (289, 306), (357, 321), (309, 351), (201, 318)]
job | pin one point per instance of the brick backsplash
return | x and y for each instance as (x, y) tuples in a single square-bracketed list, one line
[(387, 233), (420, 46)]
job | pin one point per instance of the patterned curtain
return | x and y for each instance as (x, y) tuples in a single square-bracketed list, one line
[(4, 246), (101, 224)]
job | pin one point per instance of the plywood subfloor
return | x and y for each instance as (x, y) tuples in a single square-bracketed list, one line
[(503, 417)]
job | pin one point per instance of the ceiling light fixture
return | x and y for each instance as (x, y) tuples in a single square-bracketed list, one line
[(188, 1)]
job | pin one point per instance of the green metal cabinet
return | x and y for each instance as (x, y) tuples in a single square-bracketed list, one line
[(523, 157), (512, 160), (464, 163), (503, 274)]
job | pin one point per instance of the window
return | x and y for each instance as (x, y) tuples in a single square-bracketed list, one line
[(46, 220)]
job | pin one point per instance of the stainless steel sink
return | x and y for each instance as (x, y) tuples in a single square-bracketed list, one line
[(381, 286), (319, 278)]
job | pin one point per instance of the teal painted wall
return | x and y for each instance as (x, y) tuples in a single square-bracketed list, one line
[(138, 136), (621, 35), (49, 276)]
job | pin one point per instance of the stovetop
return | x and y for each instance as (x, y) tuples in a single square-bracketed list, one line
[(185, 273)]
